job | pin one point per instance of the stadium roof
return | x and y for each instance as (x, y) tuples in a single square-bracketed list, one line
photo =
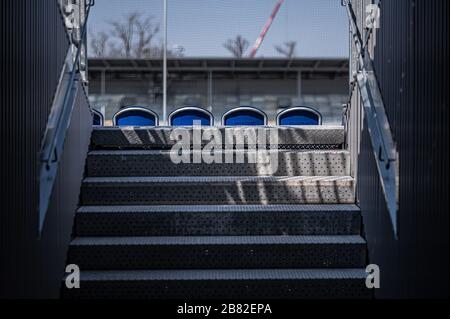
[(326, 65)]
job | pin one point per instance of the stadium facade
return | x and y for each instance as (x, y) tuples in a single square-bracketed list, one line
[(218, 84)]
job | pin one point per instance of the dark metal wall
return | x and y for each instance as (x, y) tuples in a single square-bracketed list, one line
[(411, 59), (33, 46)]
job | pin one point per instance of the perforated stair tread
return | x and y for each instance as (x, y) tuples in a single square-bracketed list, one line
[(159, 152), (209, 220), (217, 208), (222, 274), (119, 163), (217, 240), (311, 180), (160, 137), (220, 190), (222, 284)]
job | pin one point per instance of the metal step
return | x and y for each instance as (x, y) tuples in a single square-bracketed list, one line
[(221, 284), (220, 220), (217, 252), (159, 163), (306, 137), (217, 190)]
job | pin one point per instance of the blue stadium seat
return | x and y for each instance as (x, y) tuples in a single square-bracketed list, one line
[(244, 116), (135, 116), (97, 118), (300, 115), (187, 115)]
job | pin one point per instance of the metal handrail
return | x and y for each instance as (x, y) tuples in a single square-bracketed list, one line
[(357, 36), (59, 120), (383, 145)]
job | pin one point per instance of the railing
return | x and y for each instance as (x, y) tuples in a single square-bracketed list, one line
[(383, 145), (59, 119)]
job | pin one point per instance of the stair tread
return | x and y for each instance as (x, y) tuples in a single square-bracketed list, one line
[(159, 152), (120, 163), (217, 190), (171, 128), (222, 274), (218, 208), (217, 240), (138, 137), (214, 179), (210, 220)]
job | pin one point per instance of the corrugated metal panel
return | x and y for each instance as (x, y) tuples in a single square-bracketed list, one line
[(33, 46), (411, 59)]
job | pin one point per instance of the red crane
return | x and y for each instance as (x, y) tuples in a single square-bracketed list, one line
[(266, 28)]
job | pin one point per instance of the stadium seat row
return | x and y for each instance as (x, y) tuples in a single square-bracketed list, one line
[(187, 116)]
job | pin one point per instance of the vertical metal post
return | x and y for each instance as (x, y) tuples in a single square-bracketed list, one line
[(165, 66), (103, 84), (83, 43), (299, 85), (210, 89)]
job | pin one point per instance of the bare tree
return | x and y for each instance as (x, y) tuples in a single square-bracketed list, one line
[(125, 31), (146, 31), (114, 51), (99, 43), (158, 51), (131, 36), (237, 46), (288, 49)]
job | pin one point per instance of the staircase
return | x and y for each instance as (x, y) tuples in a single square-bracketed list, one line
[(148, 228)]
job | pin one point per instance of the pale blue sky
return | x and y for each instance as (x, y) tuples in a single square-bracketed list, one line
[(319, 27)]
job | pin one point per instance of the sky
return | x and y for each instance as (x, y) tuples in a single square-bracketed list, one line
[(319, 27)]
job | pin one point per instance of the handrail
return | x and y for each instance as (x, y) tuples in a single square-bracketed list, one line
[(59, 120), (383, 145)]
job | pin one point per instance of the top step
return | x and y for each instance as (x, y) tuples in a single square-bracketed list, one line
[(300, 137)]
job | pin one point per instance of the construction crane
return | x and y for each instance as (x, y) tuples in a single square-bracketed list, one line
[(266, 28)]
